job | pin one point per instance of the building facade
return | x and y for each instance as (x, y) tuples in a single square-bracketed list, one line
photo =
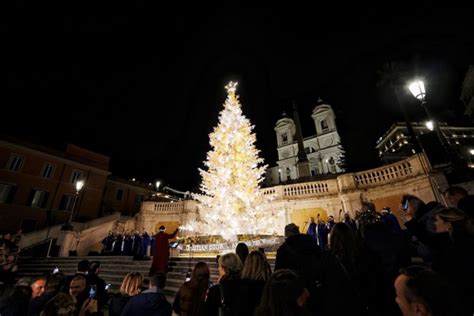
[(324, 150), (395, 144), (125, 196), (37, 184)]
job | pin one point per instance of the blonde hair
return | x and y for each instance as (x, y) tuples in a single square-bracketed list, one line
[(256, 267), (231, 264), (131, 284), (457, 218)]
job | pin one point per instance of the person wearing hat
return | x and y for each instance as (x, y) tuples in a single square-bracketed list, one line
[(161, 252)]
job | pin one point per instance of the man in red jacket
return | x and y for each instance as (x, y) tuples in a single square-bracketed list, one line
[(161, 254)]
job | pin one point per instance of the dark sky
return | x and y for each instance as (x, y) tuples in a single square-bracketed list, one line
[(146, 88)]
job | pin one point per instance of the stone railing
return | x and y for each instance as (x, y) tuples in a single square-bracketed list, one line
[(301, 189), (390, 173), (307, 188), (163, 207)]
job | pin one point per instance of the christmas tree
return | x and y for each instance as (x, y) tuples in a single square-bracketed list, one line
[(231, 202)]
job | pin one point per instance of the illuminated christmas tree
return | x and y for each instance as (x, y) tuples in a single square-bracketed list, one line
[(232, 203)]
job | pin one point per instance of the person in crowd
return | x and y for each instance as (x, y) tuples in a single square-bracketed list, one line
[(391, 220), (456, 258), (9, 269), (60, 305), (145, 244), (312, 228), (151, 301), (152, 244), (118, 245), (420, 227), (94, 279), (422, 292), (344, 271), (322, 234), (128, 244), (466, 204), (137, 247), (162, 251), (255, 274), (330, 224), (107, 243), (38, 285), (78, 290), (190, 299), (227, 288), (454, 194), (17, 301), (301, 254), (53, 284), (7, 244), (242, 251), (83, 268), (350, 222), (283, 295), (131, 286)]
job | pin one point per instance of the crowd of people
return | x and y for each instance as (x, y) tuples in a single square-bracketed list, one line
[(366, 265)]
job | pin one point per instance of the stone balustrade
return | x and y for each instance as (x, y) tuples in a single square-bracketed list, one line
[(398, 171), (163, 207)]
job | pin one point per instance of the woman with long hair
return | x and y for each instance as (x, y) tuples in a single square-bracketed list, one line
[(131, 286), (189, 300), (255, 273), (345, 271), (456, 259)]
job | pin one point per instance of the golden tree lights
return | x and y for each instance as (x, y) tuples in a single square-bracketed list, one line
[(232, 203)]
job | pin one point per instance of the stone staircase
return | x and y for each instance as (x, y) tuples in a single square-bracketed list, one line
[(114, 268)]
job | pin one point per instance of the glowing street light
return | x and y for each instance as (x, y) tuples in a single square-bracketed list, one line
[(79, 185), (158, 183), (417, 88), (429, 125)]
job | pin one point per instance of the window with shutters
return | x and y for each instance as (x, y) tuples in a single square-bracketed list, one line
[(38, 198), (48, 171), (6, 192), (67, 202), (15, 163), (76, 176)]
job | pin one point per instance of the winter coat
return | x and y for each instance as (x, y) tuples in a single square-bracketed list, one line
[(151, 302)]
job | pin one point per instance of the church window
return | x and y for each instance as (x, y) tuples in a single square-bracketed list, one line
[(324, 125), (284, 138)]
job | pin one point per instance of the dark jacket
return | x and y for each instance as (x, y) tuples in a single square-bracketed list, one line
[(241, 297), (117, 304), (151, 302)]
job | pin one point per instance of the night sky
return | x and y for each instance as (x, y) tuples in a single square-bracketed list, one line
[(146, 89)]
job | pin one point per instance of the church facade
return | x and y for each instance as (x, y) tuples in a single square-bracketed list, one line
[(324, 150)]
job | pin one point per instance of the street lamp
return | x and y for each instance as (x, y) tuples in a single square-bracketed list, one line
[(417, 88), (79, 186), (158, 183)]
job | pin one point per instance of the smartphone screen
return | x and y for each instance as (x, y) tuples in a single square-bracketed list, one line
[(92, 291), (405, 205), (55, 270), (107, 286)]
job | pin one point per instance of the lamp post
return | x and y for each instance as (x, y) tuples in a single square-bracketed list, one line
[(417, 88), (79, 186)]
